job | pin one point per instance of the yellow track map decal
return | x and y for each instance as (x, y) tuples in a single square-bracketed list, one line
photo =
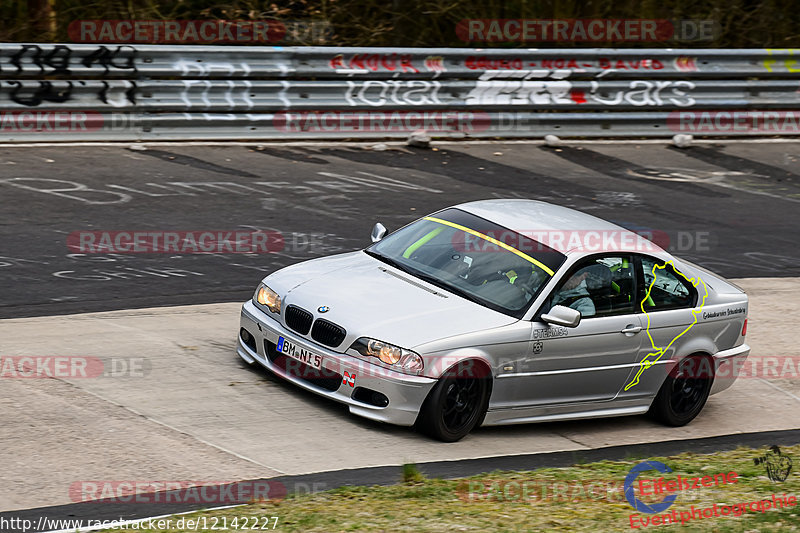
[(652, 357)]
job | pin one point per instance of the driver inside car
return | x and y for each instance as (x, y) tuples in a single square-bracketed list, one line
[(575, 294)]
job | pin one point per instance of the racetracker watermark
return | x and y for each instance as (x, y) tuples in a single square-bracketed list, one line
[(310, 365), (539, 490), (201, 31), (767, 122), (589, 240), (586, 30), (34, 121), (177, 491), (307, 32), (380, 121), (189, 242), (562, 240), (753, 367), (176, 31), (72, 367)]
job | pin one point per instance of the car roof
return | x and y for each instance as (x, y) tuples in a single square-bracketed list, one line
[(561, 228)]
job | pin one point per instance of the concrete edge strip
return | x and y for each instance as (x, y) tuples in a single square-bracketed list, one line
[(393, 142), (390, 475)]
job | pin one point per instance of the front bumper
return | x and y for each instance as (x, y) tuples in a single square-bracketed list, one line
[(405, 393), (729, 364)]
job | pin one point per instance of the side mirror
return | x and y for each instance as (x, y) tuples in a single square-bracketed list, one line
[(563, 316), (378, 232)]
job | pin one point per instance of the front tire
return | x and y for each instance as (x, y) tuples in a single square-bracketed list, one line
[(684, 392), (457, 404)]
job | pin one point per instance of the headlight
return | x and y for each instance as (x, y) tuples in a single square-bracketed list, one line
[(390, 354), (269, 298)]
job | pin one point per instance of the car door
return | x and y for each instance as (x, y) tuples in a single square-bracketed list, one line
[(666, 299), (591, 361)]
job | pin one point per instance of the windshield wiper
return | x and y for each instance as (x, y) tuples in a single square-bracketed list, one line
[(389, 261), (446, 286)]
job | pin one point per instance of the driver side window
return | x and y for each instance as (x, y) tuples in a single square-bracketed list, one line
[(600, 286)]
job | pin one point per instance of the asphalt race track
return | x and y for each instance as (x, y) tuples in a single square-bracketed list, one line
[(181, 406), (732, 208)]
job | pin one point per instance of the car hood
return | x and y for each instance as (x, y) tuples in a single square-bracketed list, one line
[(372, 299)]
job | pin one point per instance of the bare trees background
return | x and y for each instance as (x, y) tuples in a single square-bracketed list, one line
[(743, 23)]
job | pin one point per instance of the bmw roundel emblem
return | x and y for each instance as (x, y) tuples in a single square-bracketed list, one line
[(323, 309)]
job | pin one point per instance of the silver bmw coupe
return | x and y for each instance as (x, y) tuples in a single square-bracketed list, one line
[(501, 312)]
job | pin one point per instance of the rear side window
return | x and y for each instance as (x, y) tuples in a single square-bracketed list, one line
[(664, 287)]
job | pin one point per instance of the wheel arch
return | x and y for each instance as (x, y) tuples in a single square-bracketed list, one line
[(695, 346), (676, 360), (485, 370), (437, 364)]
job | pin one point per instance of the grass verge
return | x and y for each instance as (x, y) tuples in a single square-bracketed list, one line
[(585, 497)]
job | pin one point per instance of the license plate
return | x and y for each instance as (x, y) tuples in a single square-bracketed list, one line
[(300, 354)]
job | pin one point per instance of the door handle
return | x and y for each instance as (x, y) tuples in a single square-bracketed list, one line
[(631, 329)]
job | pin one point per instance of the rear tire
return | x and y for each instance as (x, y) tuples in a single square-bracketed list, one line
[(684, 392), (458, 402)]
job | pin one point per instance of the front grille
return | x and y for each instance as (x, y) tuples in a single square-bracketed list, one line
[(322, 378), (298, 319), (328, 333)]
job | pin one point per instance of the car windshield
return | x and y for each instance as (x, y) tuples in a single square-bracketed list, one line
[(472, 257)]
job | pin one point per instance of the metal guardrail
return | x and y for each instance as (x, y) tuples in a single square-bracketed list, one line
[(64, 92)]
